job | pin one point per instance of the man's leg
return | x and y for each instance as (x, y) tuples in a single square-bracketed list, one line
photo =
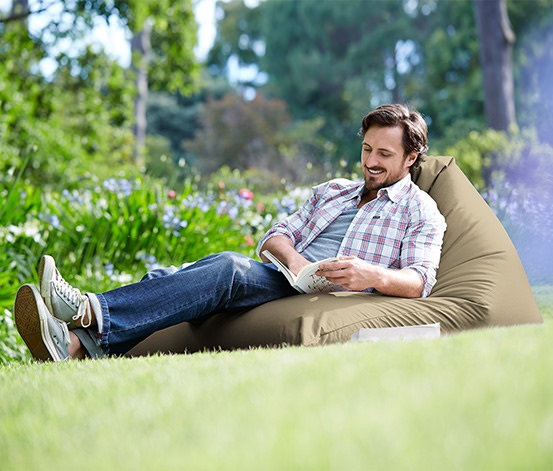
[(158, 272), (225, 281)]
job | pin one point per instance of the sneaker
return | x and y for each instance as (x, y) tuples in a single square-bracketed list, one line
[(63, 301), (46, 337)]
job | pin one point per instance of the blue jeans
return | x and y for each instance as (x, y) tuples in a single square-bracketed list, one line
[(165, 297)]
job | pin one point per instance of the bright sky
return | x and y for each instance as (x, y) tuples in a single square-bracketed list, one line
[(113, 38)]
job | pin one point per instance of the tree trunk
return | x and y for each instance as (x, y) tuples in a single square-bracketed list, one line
[(496, 47), (20, 10), (140, 48)]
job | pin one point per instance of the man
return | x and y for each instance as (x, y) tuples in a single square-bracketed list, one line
[(386, 233)]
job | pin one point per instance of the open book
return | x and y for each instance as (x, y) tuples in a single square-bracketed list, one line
[(305, 281)]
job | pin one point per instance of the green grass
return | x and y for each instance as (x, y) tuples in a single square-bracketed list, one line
[(477, 400)]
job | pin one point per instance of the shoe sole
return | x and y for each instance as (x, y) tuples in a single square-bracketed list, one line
[(46, 273), (31, 319)]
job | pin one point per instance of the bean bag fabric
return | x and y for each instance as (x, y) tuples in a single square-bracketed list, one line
[(480, 283)]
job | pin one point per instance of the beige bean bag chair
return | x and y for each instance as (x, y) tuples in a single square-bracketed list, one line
[(480, 283)]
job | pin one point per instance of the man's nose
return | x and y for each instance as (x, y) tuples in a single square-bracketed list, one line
[(370, 159)]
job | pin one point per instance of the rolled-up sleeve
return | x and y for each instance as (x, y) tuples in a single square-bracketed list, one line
[(293, 226)]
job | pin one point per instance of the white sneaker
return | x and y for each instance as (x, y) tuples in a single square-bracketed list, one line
[(64, 302), (46, 337)]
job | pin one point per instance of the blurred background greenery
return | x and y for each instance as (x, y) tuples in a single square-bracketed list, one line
[(117, 167)]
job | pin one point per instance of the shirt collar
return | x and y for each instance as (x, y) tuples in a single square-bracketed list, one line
[(397, 190)]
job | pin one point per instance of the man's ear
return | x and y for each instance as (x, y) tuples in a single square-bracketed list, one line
[(410, 159)]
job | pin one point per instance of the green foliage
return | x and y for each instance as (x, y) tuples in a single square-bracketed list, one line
[(105, 232), (22, 95), (173, 119), (544, 298), (320, 59), (257, 135), (120, 221), (80, 119), (451, 90), (240, 34), (172, 66), (518, 157), (12, 347), (160, 163), (474, 153), (77, 122), (334, 62), (14, 257)]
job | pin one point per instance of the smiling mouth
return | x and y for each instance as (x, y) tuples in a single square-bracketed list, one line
[(374, 171)]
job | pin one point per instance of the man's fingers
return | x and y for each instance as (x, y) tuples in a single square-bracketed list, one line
[(337, 265)]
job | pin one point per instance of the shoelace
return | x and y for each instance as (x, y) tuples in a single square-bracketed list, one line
[(74, 297)]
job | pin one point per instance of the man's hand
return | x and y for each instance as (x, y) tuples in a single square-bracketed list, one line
[(351, 273), (355, 274)]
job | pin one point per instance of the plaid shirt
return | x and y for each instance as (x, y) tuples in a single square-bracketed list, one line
[(400, 228)]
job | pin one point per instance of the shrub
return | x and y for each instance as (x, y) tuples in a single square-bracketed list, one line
[(110, 232)]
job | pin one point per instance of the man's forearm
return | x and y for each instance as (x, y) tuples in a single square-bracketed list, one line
[(405, 283), (283, 249), (355, 274)]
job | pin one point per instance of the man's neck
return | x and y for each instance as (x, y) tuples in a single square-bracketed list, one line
[(366, 197)]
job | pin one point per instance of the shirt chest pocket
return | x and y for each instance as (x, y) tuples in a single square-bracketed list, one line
[(387, 227)]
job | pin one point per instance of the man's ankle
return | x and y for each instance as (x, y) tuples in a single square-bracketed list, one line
[(76, 349)]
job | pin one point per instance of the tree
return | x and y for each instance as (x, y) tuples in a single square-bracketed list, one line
[(175, 118), (74, 122), (533, 64), (141, 49), (172, 64), (496, 49), (448, 88), (162, 50), (240, 134), (328, 60), (335, 60)]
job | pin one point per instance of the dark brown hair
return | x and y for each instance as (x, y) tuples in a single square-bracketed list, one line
[(414, 127)]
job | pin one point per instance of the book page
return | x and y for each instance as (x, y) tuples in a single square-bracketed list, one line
[(306, 281), (314, 266), (311, 283)]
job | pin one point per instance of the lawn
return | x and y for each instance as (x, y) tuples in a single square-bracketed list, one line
[(477, 400)]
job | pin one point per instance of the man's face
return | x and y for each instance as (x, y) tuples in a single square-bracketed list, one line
[(382, 158)]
